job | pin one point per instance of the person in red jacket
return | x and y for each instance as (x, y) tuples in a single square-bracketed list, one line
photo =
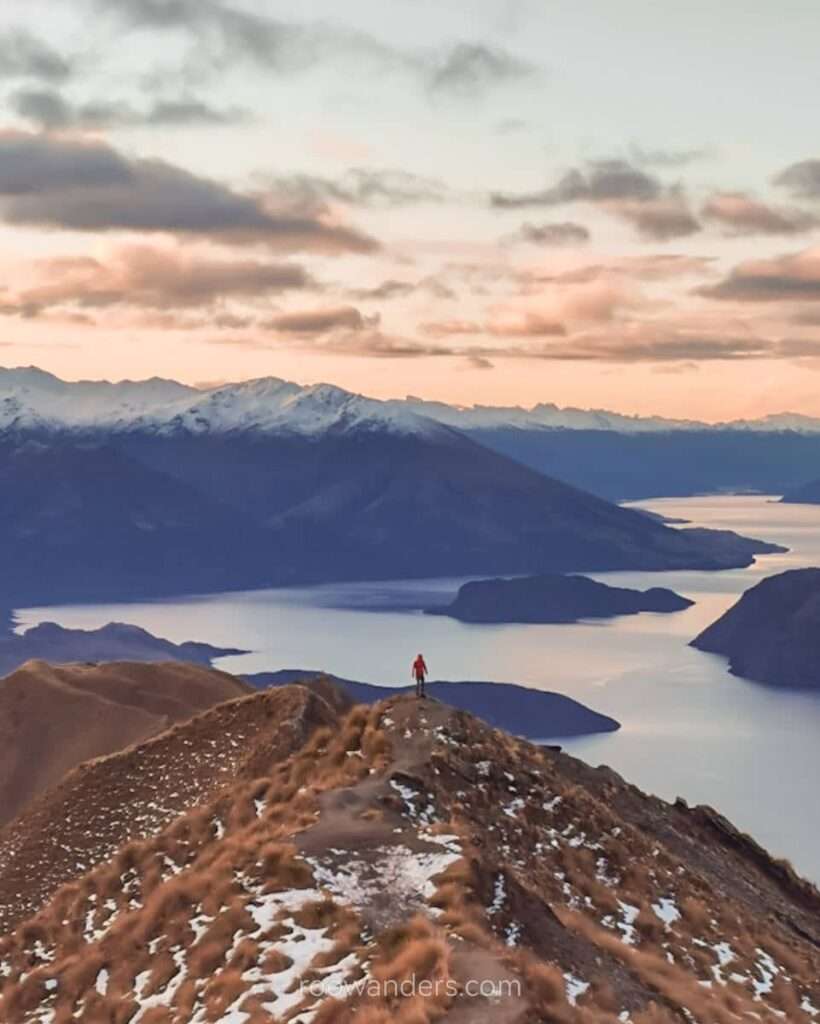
[(419, 673)]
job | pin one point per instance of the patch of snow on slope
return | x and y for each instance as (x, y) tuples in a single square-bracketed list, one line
[(575, 988), (627, 925), (666, 910), (405, 874)]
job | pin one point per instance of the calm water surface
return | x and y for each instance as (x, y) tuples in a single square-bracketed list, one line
[(689, 728)]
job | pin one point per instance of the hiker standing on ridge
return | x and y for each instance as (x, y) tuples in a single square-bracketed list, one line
[(419, 673)]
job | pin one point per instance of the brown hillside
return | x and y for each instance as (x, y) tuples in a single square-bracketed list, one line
[(389, 866), (54, 717), (134, 793)]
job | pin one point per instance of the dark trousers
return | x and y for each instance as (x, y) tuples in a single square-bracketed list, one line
[(419, 685)]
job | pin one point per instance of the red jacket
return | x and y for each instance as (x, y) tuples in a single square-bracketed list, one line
[(419, 668)]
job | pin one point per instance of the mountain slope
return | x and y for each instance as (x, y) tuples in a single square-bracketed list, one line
[(613, 455), (104, 804), (147, 514), (805, 494), (370, 505), (52, 718), (409, 843), (84, 520), (772, 634)]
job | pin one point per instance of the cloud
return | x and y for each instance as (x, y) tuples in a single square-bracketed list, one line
[(581, 296), (36, 165), (665, 346), (479, 362), (380, 345), (657, 212), (361, 187), (667, 157), (601, 181), (799, 348), (89, 186), (743, 215), (660, 219), (366, 340), (795, 276), (49, 109), (45, 107), (22, 55), (654, 267), (445, 328), (389, 289), (319, 321), (393, 289), (801, 179), (657, 344), (556, 234), (154, 278), (224, 35), (506, 323), (661, 344), (472, 68), (523, 324)]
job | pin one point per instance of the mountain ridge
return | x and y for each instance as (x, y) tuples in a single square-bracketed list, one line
[(406, 840), (151, 514), (53, 717), (31, 399)]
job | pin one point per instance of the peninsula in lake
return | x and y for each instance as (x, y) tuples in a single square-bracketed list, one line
[(772, 634)]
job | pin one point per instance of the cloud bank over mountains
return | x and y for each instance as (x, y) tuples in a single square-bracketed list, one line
[(245, 179)]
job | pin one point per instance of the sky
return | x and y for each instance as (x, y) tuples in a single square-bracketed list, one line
[(479, 201)]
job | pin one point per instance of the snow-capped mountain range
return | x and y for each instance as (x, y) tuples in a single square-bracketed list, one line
[(32, 399)]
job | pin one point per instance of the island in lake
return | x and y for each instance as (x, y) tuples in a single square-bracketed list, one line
[(554, 598), (772, 634)]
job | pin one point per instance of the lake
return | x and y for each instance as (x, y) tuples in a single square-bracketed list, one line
[(689, 727)]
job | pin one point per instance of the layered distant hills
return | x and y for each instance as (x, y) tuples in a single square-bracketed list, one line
[(282, 856), (118, 490), (629, 457), (116, 641)]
